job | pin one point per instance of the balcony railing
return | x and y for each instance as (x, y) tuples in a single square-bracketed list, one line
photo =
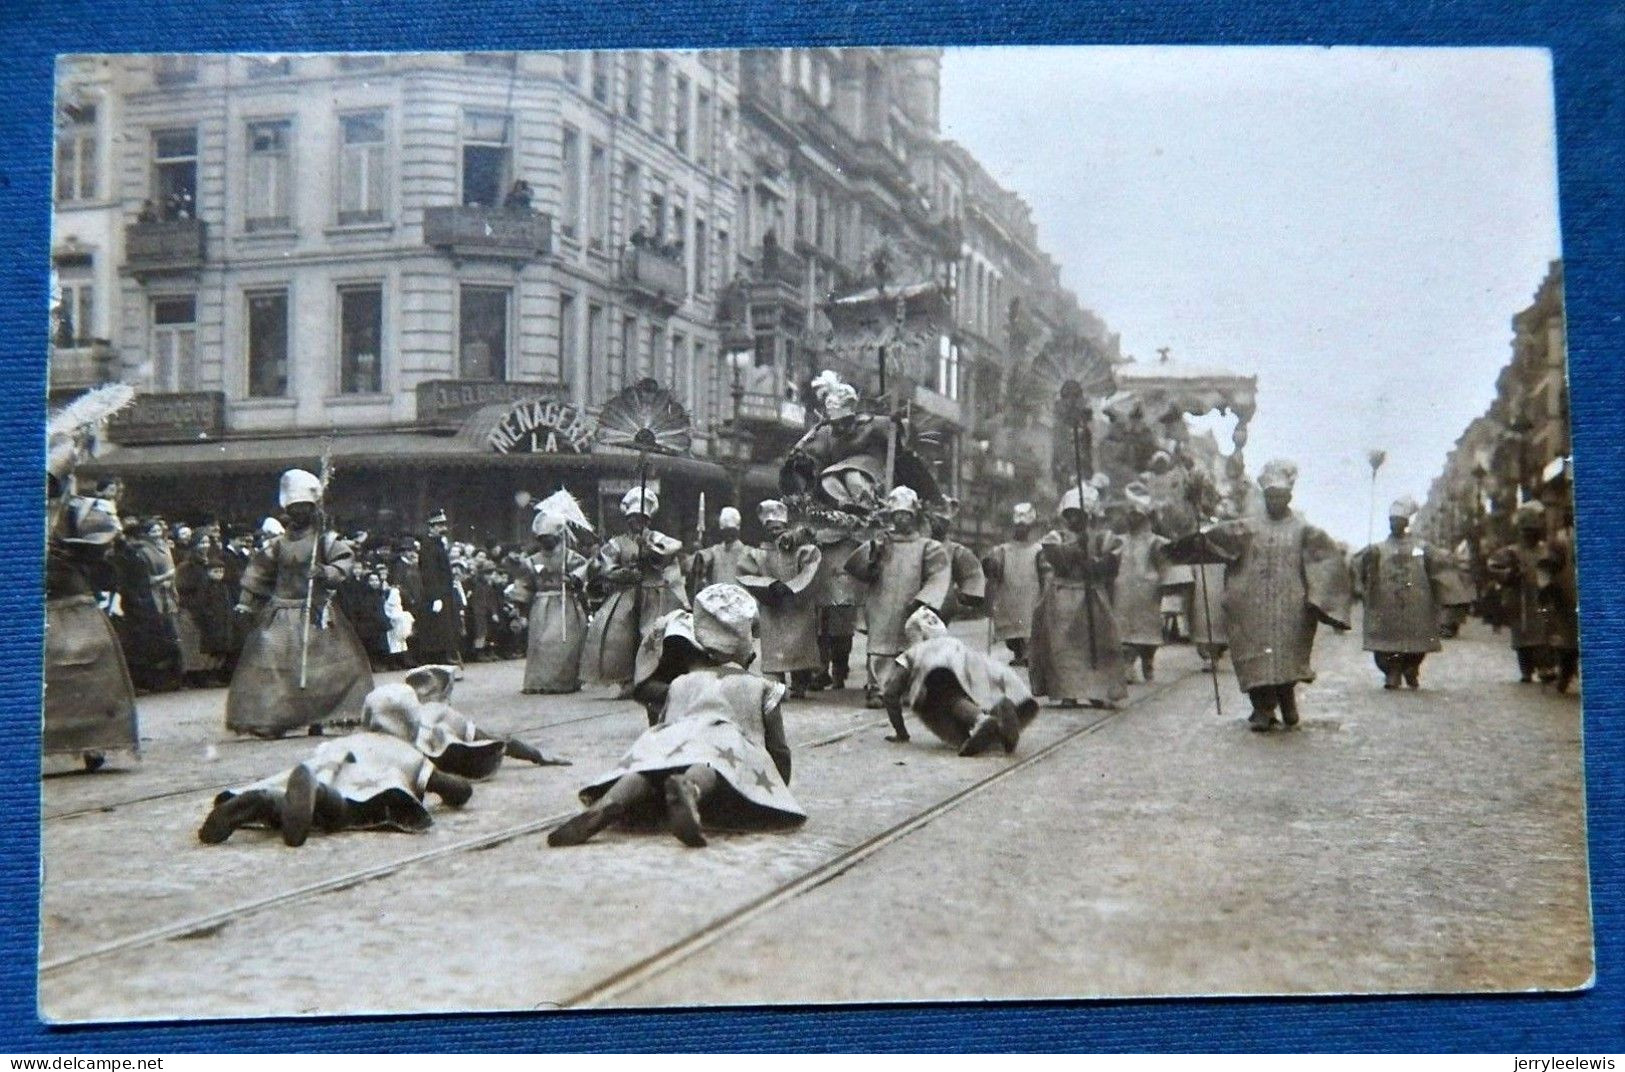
[(653, 275), (499, 233), (775, 264), (87, 363), (760, 407), (164, 246)]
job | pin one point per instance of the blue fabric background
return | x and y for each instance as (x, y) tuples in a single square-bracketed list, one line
[(1588, 43)]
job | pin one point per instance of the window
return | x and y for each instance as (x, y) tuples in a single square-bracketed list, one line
[(634, 84), (657, 210), (657, 349), (175, 70), (595, 347), (269, 175), (702, 127), (268, 344), (363, 166), (677, 368), (361, 333), (948, 368), (269, 66), (74, 312), (821, 220), (174, 343), (662, 87), (725, 139), (679, 122), (597, 195), (703, 403), (570, 172), (572, 68), (486, 152), (600, 77), (826, 86), (631, 196), (702, 267), (679, 216), (569, 351), (626, 360), (174, 172), (482, 329), (725, 258), (76, 154)]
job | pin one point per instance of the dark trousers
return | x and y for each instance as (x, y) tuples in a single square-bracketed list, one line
[(1018, 650), (1568, 666), (1146, 653), (1399, 664), (1532, 660), (1267, 698), (835, 655)]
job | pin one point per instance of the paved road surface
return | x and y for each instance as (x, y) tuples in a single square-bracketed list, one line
[(1427, 841)]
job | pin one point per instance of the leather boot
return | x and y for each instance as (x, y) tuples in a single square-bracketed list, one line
[(683, 811), (1289, 706), (450, 788), (1004, 713), (299, 806), (530, 754), (577, 830), (228, 816), (982, 736)]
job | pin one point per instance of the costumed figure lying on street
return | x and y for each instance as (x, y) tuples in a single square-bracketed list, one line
[(779, 575), (89, 697), (1406, 584), (903, 571), (641, 569), (365, 781), (1283, 577), (418, 711), (718, 755), (963, 696), (1075, 654), (295, 672), (842, 460)]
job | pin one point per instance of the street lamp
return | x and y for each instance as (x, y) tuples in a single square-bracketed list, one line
[(738, 439)]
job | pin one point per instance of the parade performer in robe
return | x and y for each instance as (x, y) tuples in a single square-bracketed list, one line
[(1137, 590), (89, 707), (1406, 583), (967, 583), (718, 753), (719, 563), (904, 571), (963, 696), (550, 585), (364, 781), (843, 458), (438, 635), (1075, 654), (1283, 577), (780, 575), (418, 710), (640, 567), (1011, 569), (290, 676), (1525, 570), (838, 596)]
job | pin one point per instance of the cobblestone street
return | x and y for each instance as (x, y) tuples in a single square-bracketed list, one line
[(1429, 841)]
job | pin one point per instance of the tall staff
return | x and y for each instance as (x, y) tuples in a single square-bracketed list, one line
[(319, 527), (1076, 412), (1375, 458)]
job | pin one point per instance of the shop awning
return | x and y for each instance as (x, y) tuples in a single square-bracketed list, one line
[(373, 450)]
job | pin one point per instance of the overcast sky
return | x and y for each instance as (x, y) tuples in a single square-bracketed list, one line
[(1354, 226)]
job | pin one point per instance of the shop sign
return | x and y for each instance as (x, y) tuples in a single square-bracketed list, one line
[(542, 426), (170, 418), (447, 403)]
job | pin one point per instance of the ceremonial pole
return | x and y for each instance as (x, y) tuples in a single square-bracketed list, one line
[(1376, 458), (319, 526), (1076, 410)]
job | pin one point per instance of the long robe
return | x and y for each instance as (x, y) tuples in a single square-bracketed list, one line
[(1406, 582), (382, 777), (1012, 575), (557, 630), (789, 624), (1137, 589), (438, 633), (1075, 653), (728, 719), (1283, 577), (1519, 568), (838, 591), (265, 698), (641, 595), (89, 698), (909, 570), (717, 564), (1207, 604)]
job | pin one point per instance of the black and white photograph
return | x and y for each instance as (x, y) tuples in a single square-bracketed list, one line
[(538, 531)]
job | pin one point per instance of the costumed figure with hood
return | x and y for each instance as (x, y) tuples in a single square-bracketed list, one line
[(363, 781), (780, 575), (842, 460), (963, 696), (1137, 590), (1075, 653), (301, 664), (550, 584), (1526, 571), (418, 710), (1406, 583), (89, 699), (719, 563), (718, 755), (641, 570), (904, 571), (1011, 570), (967, 583), (1283, 577)]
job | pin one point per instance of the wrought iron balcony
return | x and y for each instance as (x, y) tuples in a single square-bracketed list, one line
[(86, 363), (495, 233), (654, 276), (164, 246)]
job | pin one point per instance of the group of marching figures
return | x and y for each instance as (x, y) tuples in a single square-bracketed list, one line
[(1074, 607)]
